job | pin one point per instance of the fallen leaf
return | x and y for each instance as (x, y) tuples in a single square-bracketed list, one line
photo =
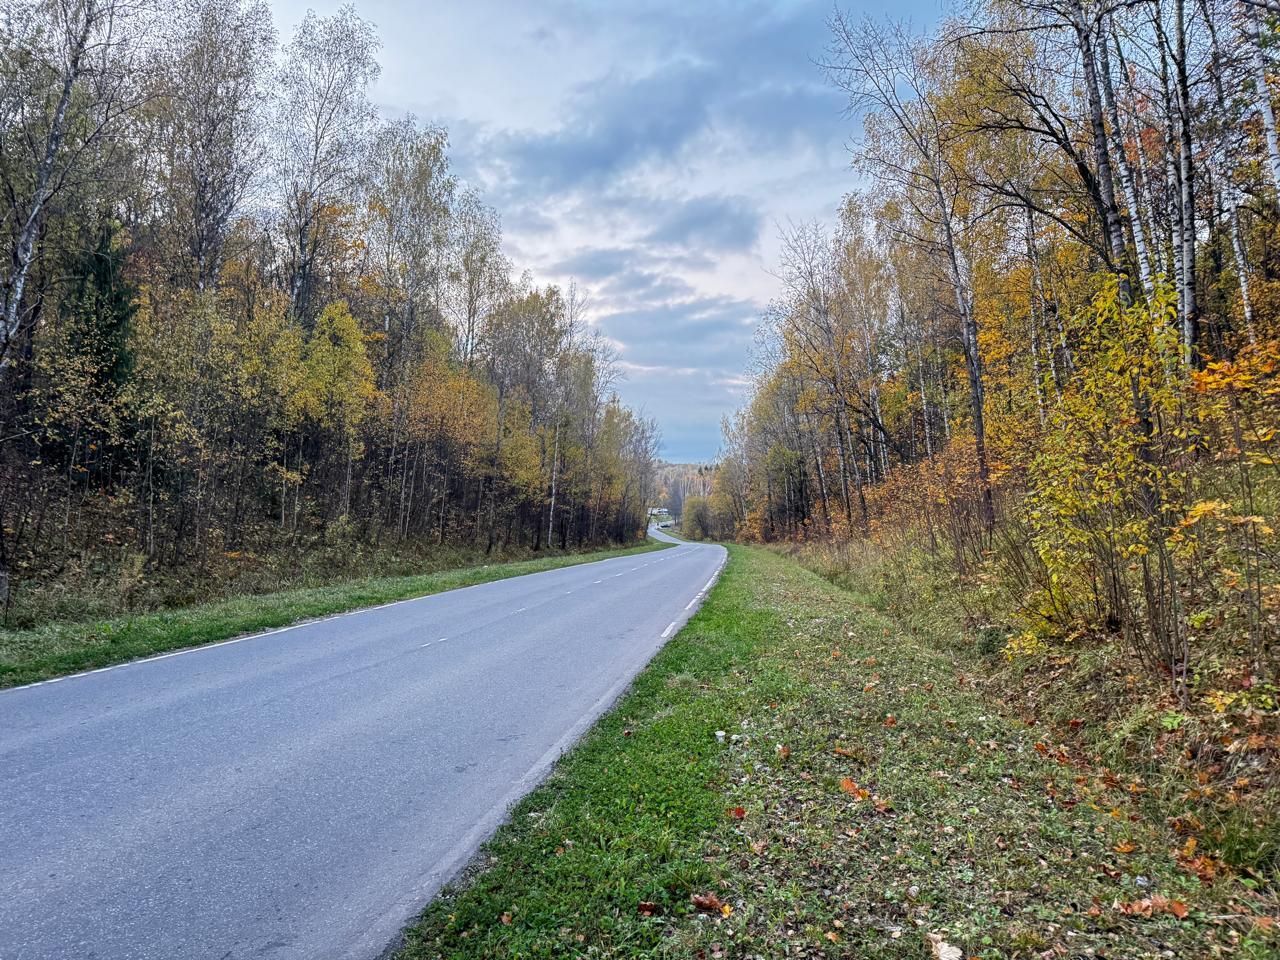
[(1156, 903), (707, 902), (647, 908), (891, 721), (784, 751), (737, 812), (1126, 846), (832, 936), (943, 950), (855, 791)]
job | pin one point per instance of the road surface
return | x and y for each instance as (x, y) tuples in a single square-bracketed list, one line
[(304, 792)]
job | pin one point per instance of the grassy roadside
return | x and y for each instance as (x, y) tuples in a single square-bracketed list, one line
[(864, 802), (57, 649)]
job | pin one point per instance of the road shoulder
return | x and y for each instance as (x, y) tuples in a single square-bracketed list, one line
[(791, 768)]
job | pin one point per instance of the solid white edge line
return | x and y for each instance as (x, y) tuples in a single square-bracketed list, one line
[(413, 901)]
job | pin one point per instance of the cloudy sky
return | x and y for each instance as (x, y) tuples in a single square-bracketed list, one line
[(648, 149)]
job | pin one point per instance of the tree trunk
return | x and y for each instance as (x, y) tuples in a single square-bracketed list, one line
[(1127, 181), (24, 250), (1186, 172), (1258, 67)]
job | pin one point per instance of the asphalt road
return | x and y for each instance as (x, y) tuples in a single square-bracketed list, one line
[(304, 792)]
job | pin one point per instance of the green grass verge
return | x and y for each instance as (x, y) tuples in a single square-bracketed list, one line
[(57, 649), (864, 798)]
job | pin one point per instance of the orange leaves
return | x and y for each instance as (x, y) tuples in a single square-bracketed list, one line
[(1126, 846), (891, 721), (849, 786), (1254, 368), (1204, 867), (1057, 753), (784, 752), (710, 903), (736, 813), (1153, 905), (855, 791)]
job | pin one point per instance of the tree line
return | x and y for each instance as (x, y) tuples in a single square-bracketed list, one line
[(1040, 342), (244, 314)]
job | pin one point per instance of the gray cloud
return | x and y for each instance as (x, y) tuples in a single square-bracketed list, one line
[(609, 127), (658, 170), (715, 223)]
